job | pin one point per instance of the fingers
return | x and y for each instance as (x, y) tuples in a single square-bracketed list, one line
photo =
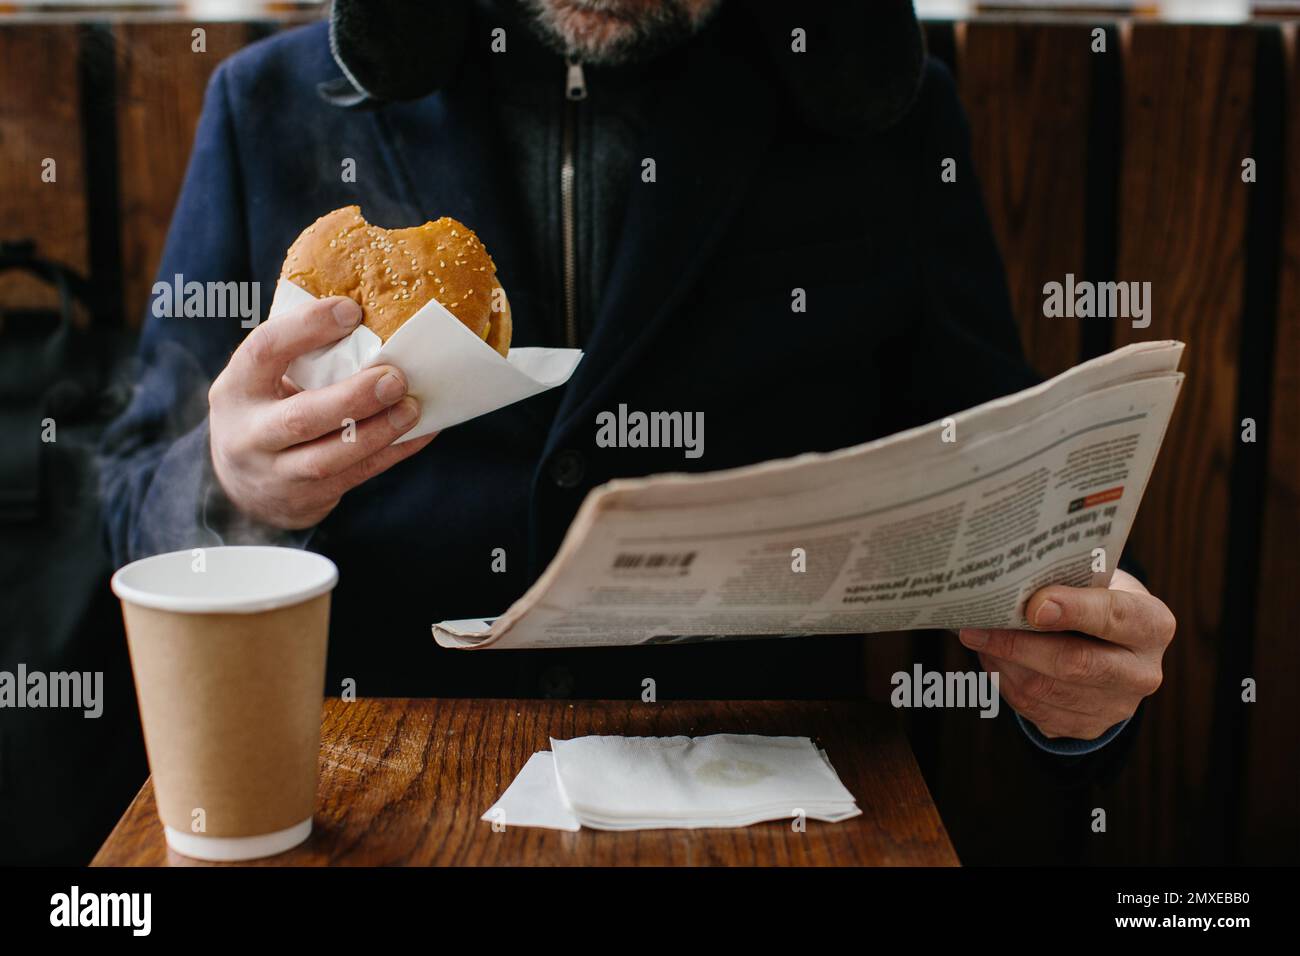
[(1056, 708), (382, 460), (258, 364), (1121, 580), (1032, 689), (287, 388), (320, 411), (1038, 700), (286, 456), (1065, 657), (327, 457), (1128, 618), (1082, 683)]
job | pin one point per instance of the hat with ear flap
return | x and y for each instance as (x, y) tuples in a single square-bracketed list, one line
[(393, 49), (855, 68)]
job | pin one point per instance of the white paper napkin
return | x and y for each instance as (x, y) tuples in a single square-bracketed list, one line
[(625, 783), (644, 783), (533, 799), (453, 373)]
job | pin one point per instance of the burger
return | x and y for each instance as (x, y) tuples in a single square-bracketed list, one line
[(393, 273)]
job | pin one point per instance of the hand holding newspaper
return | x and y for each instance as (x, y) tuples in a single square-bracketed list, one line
[(947, 525)]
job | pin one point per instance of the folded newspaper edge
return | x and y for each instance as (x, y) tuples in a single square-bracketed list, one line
[(951, 524)]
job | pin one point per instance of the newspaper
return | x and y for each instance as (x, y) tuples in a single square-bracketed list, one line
[(951, 524)]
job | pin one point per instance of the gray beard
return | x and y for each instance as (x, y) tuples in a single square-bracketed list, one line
[(651, 34)]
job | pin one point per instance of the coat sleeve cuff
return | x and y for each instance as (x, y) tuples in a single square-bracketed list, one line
[(1069, 746)]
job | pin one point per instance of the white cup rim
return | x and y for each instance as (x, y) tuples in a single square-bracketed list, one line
[(299, 576)]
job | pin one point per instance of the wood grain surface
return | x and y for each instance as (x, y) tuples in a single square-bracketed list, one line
[(404, 782), (1026, 89)]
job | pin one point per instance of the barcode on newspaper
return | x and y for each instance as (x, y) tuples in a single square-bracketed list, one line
[(680, 560)]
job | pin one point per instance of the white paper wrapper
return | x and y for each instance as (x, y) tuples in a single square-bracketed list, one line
[(453, 373)]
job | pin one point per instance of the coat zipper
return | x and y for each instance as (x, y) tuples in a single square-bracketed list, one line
[(575, 90)]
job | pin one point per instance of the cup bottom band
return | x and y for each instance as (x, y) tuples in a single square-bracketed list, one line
[(228, 849)]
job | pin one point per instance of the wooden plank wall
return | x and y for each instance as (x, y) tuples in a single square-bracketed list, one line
[(1182, 219), (1130, 169), (1117, 165), (1269, 822), (101, 98), (40, 64), (161, 83), (1029, 117)]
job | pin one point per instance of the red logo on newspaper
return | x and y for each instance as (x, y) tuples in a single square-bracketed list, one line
[(1096, 498)]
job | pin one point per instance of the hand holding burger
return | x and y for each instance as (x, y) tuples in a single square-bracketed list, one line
[(279, 452)]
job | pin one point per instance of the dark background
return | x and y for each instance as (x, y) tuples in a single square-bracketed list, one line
[(1121, 165)]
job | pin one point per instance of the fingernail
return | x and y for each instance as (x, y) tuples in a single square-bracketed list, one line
[(973, 637), (1049, 612), (403, 415), (390, 388), (348, 314)]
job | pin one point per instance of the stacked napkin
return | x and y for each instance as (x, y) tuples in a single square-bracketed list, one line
[(645, 783)]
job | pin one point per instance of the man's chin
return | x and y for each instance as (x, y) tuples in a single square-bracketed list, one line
[(612, 32), (593, 34)]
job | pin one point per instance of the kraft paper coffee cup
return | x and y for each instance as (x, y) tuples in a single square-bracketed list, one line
[(228, 651)]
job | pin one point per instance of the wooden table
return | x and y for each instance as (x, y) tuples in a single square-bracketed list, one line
[(404, 782)]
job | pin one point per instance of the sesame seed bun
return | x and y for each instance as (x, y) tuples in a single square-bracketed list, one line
[(392, 273)]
